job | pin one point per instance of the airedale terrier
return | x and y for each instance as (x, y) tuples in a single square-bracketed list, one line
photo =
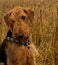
[(17, 48)]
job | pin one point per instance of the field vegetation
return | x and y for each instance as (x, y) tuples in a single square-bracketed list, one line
[(44, 28)]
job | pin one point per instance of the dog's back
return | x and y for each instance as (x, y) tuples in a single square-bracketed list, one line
[(2, 54)]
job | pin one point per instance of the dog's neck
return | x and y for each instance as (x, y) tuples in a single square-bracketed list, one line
[(9, 34), (22, 41)]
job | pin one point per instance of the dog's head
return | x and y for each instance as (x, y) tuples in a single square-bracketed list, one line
[(17, 21)]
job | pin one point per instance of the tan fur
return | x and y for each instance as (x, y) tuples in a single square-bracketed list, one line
[(16, 53)]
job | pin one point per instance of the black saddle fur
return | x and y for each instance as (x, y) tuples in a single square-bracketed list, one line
[(2, 52)]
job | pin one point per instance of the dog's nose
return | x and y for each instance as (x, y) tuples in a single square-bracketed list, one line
[(20, 35)]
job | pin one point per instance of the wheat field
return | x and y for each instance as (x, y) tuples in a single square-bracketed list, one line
[(44, 28)]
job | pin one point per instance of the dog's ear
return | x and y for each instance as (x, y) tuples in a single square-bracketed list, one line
[(8, 19), (30, 13)]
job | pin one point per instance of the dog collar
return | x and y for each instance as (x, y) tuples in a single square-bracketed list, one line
[(17, 41)]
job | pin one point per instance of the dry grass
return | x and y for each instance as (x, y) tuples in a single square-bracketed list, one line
[(44, 27)]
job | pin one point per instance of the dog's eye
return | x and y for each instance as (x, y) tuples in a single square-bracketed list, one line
[(23, 17)]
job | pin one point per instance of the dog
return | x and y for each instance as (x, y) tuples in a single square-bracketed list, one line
[(17, 48)]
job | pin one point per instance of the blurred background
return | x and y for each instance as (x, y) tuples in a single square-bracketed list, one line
[(44, 28)]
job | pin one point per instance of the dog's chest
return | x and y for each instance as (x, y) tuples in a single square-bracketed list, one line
[(16, 54)]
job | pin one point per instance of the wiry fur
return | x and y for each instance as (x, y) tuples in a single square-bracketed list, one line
[(17, 21)]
